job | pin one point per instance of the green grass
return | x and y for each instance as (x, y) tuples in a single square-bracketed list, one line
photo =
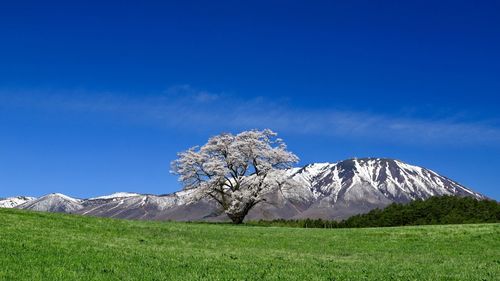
[(43, 246)]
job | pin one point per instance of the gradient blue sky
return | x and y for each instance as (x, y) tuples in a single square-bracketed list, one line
[(97, 98)]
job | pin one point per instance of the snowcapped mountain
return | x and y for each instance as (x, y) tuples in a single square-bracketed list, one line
[(116, 195), (319, 190), (338, 190), (12, 202), (182, 205), (395, 180), (55, 202)]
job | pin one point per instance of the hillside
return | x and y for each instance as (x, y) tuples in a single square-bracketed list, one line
[(47, 246)]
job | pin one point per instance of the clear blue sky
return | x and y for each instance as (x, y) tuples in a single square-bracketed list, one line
[(97, 98)]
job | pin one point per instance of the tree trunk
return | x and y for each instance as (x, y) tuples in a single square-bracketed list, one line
[(237, 218)]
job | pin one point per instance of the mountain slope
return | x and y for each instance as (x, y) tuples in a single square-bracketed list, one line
[(339, 190), (116, 196), (181, 206), (54, 202), (321, 190), (394, 179), (12, 202)]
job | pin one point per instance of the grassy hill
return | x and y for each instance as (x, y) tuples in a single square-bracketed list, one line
[(44, 246)]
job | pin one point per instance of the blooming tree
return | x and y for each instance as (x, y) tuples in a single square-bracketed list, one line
[(236, 171)]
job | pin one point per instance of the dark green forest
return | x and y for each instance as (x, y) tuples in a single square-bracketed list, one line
[(435, 210)]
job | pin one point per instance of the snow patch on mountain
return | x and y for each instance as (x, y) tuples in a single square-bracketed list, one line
[(116, 195), (54, 202), (12, 202), (393, 179)]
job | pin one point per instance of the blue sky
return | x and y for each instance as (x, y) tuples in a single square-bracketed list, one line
[(97, 98)]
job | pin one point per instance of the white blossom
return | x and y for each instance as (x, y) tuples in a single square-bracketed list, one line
[(236, 171)]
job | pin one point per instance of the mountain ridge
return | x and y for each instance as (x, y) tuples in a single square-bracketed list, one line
[(318, 190)]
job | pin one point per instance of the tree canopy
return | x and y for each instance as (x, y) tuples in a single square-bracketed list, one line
[(236, 171)]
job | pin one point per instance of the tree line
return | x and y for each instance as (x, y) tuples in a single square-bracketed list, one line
[(435, 210)]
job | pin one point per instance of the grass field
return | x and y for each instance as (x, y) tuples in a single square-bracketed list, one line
[(43, 246)]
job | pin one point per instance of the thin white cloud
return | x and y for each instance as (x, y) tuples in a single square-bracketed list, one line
[(184, 107)]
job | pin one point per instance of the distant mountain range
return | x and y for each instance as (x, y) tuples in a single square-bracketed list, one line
[(14, 201), (321, 190)]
